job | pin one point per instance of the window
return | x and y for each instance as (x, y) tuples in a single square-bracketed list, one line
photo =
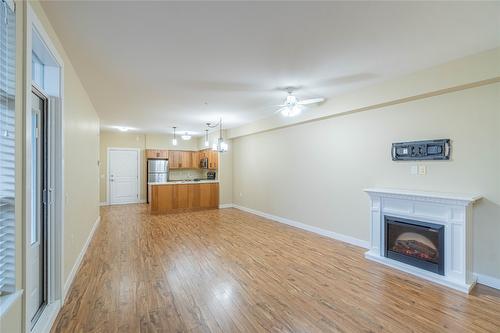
[(37, 70), (7, 145)]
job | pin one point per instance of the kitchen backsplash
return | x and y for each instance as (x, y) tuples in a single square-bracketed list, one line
[(186, 174)]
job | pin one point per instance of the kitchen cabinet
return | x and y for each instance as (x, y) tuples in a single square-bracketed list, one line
[(213, 159), (169, 198), (157, 153), (212, 156), (180, 159), (195, 160)]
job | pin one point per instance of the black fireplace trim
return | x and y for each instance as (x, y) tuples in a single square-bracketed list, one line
[(429, 266)]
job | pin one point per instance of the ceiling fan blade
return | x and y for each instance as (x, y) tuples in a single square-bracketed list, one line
[(311, 101)]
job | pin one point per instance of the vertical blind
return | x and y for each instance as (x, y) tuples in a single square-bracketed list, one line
[(7, 145)]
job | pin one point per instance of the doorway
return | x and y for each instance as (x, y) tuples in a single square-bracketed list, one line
[(43, 172), (37, 255), (123, 175)]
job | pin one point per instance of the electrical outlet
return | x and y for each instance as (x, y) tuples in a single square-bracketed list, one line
[(414, 170), (422, 170)]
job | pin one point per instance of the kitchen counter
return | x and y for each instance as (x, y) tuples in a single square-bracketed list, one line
[(173, 182), (180, 196)]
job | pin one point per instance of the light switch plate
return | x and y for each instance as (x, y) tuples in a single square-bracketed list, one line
[(422, 170), (414, 170)]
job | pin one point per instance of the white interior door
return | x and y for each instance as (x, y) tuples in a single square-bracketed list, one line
[(123, 176)]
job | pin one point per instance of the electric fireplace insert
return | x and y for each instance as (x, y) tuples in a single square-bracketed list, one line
[(417, 243)]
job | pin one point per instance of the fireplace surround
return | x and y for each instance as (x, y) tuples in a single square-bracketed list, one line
[(448, 214)]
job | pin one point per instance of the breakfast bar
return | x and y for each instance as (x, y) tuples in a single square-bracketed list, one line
[(181, 196)]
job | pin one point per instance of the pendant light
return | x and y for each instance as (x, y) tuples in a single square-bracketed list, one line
[(219, 145), (207, 143), (174, 140)]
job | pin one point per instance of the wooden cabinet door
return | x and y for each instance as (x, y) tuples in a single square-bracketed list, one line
[(208, 153), (173, 159), (157, 153), (162, 153), (185, 160), (178, 159), (204, 196), (216, 159), (195, 159), (182, 195), (212, 159)]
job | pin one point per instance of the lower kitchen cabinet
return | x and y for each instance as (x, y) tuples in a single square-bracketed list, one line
[(168, 198)]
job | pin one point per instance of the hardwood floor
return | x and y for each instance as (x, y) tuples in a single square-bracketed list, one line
[(231, 271)]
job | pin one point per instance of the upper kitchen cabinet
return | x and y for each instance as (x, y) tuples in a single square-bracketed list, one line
[(195, 159), (157, 153), (179, 159), (213, 159), (211, 156)]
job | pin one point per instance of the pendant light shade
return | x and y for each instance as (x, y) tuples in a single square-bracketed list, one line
[(174, 140), (207, 143), (220, 145)]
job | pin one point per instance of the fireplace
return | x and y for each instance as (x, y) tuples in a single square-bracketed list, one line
[(416, 243)]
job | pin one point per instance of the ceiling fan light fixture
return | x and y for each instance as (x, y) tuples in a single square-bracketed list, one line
[(186, 136), (291, 111), (293, 106)]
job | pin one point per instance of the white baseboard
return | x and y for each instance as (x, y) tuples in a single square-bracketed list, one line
[(222, 206), (316, 230), (78, 262), (488, 281), (105, 203)]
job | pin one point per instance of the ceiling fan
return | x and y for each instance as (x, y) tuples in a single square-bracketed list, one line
[(293, 106)]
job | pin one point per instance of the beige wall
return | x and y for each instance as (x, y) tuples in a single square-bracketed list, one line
[(315, 172)]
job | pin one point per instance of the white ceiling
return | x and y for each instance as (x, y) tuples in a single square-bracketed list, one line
[(153, 65)]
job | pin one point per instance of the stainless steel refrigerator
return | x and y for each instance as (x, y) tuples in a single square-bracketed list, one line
[(157, 171)]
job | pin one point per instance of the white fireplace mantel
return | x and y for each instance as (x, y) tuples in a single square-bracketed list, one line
[(454, 211)]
